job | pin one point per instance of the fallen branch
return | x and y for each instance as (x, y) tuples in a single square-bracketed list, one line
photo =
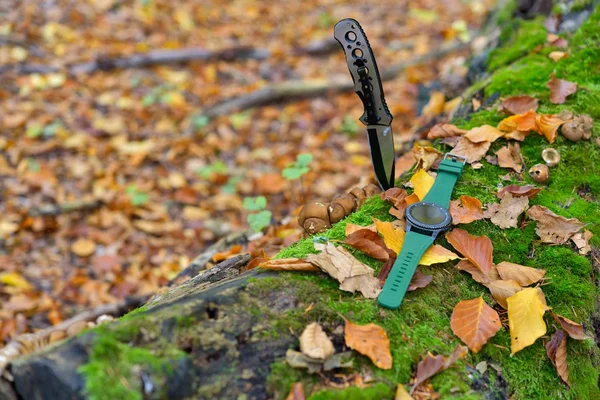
[(65, 208), (140, 60), (304, 89)]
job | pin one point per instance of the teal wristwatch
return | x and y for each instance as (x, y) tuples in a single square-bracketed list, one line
[(425, 220)]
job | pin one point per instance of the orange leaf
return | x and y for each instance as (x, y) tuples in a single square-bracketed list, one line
[(297, 392), (351, 228), (518, 191), (474, 322), (524, 276), (547, 125), (519, 104), (484, 133), (556, 349), (510, 157), (369, 340), (444, 130), (465, 210), (502, 290), (370, 243), (520, 122), (431, 365), (516, 135), (478, 249), (574, 329), (560, 89), (83, 247)]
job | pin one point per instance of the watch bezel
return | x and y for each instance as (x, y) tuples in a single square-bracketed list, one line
[(442, 226)]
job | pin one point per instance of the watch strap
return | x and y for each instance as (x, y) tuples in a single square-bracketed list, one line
[(448, 173), (397, 282)]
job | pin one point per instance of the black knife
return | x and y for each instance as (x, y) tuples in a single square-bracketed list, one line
[(367, 84)]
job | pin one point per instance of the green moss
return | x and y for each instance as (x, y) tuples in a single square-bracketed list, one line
[(377, 392), (529, 35)]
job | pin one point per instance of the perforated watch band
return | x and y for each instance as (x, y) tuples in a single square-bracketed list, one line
[(448, 173), (397, 282)]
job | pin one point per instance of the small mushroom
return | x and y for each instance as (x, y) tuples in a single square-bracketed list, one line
[(540, 173), (551, 156), (347, 201), (371, 190), (314, 210), (315, 225), (336, 212), (360, 196), (580, 127), (566, 115)]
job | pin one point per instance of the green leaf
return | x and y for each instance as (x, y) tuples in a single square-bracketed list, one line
[(255, 203), (136, 197), (33, 165), (240, 119), (50, 130), (200, 121), (349, 126), (218, 167), (302, 160), (149, 99), (34, 131), (259, 220), (293, 173), (231, 186), (325, 20)]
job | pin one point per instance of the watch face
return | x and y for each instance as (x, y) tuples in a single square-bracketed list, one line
[(428, 216)]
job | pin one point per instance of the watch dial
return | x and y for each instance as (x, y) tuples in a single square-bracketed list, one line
[(427, 214)]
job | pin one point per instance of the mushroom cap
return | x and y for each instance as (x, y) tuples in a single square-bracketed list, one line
[(314, 209), (315, 225), (347, 201), (551, 156), (371, 190), (360, 195), (588, 125), (336, 212), (572, 130), (566, 115), (540, 173)]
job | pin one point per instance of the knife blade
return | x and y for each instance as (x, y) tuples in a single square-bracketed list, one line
[(367, 85)]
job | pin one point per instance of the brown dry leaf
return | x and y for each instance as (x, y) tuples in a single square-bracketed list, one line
[(435, 106), (402, 394), (444, 131), (517, 191), (582, 241), (478, 249), (288, 264), (296, 393), (431, 365), (83, 247), (426, 156), (516, 135), (351, 228), (556, 349), (574, 329), (547, 125), (368, 285), (520, 122), (519, 104), (557, 55), (157, 227), (510, 157), (465, 210), (369, 340), (484, 133), (560, 89), (474, 322), (315, 343), (394, 195), (421, 182), (521, 274), (525, 318), (419, 280), (552, 228), (473, 152), (476, 274), (385, 270), (508, 212), (370, 243), (502, 290)]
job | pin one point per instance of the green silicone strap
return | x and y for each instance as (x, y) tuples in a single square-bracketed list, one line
[(396, 285), (448, 173)]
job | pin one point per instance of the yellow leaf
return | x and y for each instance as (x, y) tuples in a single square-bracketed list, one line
[(484, 133), (437, 254), (15, 279), (402, 394), (83, 247), (422, 182), (525, 318)]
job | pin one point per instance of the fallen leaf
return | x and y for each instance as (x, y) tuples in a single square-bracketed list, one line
[(520, 122), (477, 249), (582, 241), (370, 243), (520, 104), (435, 105), (525, 318), (574, 329), (404, 163), (338, 360), (560, 89), (351, 228), (385, 270), (502, 290), (516, 135), (157, 227), (510, 157), (465, 210), (83, 247), (517, 191), (402, 394), (394, 195), (444, 130), (15, 279), (431, 365), (556, 41), (552, 228), (338, 262), (521, 274), (297, 359), (419, 280), (547, 125), (476, 274), (422, 182), (484, 133), (288, 264), (556, 349), (426, 156), (474, 322), (369, 340), (481, 367), (509, 210), (367, 284), (296, 393), (315, 343), (473, 152)]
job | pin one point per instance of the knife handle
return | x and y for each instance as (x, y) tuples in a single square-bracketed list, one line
[(364, 72)]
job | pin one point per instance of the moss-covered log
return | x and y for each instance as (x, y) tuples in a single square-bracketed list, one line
[(229, 341)]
